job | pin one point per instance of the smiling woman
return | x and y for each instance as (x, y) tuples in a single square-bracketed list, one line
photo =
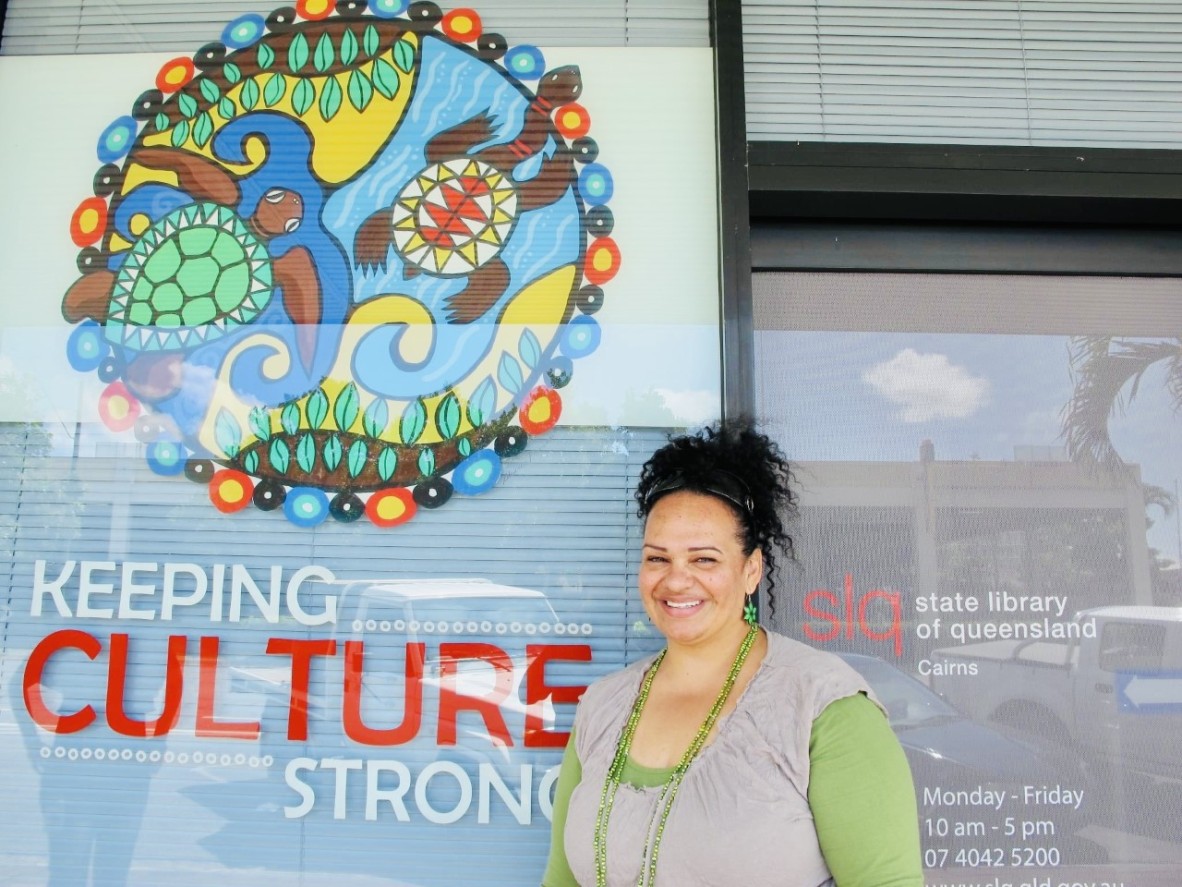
[(731, 736)]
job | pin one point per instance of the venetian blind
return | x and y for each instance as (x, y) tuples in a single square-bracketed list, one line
[(1014, 72), (95, 26)]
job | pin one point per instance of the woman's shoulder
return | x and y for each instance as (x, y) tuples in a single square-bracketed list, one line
[(818, 676)]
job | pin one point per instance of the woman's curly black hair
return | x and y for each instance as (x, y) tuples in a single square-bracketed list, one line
[(734, 448)]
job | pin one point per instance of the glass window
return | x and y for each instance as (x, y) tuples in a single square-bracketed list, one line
[(989, 472)]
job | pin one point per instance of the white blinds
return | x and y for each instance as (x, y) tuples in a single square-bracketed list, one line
[(1014, 72), (37, 27)]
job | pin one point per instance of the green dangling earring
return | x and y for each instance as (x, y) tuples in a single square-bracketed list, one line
[(750, 613)]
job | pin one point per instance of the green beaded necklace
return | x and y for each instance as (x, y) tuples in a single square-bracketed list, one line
[(611, 785)]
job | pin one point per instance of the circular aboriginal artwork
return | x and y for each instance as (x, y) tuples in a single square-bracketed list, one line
[(338, 264)]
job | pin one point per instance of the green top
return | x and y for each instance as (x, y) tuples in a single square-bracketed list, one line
[(857, 775)]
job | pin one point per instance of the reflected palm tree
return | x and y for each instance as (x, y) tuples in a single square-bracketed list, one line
[(1107, 372)]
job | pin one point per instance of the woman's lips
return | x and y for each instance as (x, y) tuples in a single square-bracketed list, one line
[(681, 606)]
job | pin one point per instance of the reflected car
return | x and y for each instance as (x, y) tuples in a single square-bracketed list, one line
[(977, 788)]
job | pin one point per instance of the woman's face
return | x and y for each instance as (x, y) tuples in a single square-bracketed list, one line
[(694, 576)]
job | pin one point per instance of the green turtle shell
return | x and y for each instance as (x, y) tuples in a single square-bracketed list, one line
[(193, 276)]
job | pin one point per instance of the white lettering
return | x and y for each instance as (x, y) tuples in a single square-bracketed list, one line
[(128, 588), (319, 574), (87, 587), (53, 589), (170, 597), (307, 796)]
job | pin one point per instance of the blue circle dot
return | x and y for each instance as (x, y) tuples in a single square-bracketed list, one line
[(166, 457), (243, 31), (477, 473), (525, 62), (116, 139), (595, 184), (388, 8), (306, 506), (581, 337), (86, 347)]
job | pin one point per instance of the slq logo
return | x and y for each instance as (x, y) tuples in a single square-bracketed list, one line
[(341, 261), (876, 615)]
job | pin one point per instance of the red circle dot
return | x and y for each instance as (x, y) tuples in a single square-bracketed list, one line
[(230, 490), (463, 25), (174, 74), (314, 10), (572, 120), (389, 508), (603, 261), (541, 410), (89, 221)]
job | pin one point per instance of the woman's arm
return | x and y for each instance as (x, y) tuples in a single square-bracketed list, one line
[(558, 873), (862, 798)]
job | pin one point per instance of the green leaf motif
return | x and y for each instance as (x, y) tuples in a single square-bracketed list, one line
[(346, 408), (226, 109), (317, 408), (306, 453), (231, 72), (180, 133), (260, 423), (427, 462), (187, 105), (303, 96), (280, 455), (387, 463), (360, 90), (324, 53), (404, 55), (529, 348), (332, 452), (370, 40), (228, 433), (274, 90), (161, 122), (289, 418), (210, 90), (509, 373), (330, 98), (203, 129), (376, 418), (414, 420), (249, 97), (483, 402), (297, 53), (250, 462), (357, 456), (385, 78), (465, 448), (348, 48), (448, 415), (266, 56)]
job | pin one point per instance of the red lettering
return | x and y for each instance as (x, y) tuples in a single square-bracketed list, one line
[(896, 621), (40, 713), (849, 614), (451, 701), (849, 605), (412, 718), (301, 652), (537, 691), (174, 677), (207, 682), (823, 615)]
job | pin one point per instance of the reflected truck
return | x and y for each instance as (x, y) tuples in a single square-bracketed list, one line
[(1114, 694)]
